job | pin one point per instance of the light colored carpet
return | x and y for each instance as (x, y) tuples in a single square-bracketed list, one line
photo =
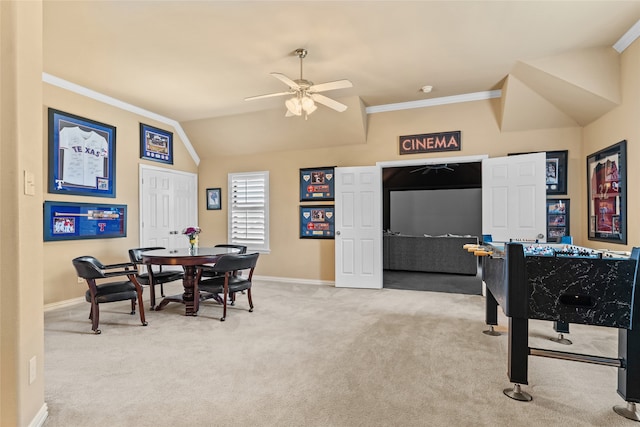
[(316, 356)]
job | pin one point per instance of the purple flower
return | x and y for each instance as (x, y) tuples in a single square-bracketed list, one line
[(191, 231)]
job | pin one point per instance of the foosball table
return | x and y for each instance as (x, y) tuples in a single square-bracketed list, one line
[(564, 284)]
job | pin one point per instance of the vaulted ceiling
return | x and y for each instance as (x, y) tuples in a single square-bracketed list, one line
[(195, 61)]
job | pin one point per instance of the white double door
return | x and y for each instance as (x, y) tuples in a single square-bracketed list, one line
[(513, 207), (168, 204)]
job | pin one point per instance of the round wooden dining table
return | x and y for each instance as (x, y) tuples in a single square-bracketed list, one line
[(189, 259)]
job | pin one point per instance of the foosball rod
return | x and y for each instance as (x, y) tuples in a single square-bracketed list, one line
[(576, 357)]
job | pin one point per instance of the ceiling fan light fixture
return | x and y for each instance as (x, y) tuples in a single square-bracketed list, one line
[(308, 105), (294, 106)]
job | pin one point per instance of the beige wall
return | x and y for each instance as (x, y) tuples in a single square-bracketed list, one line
[(21, 273), (61, 281), (314, 259), (619, 124)]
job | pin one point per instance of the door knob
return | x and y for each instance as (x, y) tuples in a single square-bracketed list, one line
[(337, 233)]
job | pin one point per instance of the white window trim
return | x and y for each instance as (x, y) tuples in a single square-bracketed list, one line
[(263, 175)]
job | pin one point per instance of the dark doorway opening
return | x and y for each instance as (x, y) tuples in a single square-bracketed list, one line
[(433, 200)]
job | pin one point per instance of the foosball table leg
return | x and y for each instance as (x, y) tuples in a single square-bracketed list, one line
[(517, 394), (561, 328), (628, 411), (491, 314)]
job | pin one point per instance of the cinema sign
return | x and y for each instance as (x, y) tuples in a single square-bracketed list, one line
[(430, 142)]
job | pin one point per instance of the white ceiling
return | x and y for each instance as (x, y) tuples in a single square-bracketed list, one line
[(196, 61)]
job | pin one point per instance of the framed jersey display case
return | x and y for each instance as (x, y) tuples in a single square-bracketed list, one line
[(82, 156), (607, 194)]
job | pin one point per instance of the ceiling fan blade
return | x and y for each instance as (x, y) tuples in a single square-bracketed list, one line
[(286, 80), (328, 102), (338, 84), (269, 95)]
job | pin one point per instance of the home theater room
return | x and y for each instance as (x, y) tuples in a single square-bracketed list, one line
[(319, 213)]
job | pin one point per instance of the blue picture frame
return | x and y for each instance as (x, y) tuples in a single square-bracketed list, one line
[(74, 221), (317, 184), (82, 156), (156, 144), (317, 222)]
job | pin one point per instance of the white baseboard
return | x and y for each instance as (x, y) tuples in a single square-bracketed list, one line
[(41, 416), (65, 303)]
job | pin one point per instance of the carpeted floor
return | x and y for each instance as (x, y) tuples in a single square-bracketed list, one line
[(317, 356)]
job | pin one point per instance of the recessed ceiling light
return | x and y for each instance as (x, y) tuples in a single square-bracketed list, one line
[(426, 89)]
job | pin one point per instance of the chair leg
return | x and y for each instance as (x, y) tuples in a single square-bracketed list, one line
[(162, 289), (250, 300), (95, 318), (141, 305), (152, 296), (133, 306), (224, 302)]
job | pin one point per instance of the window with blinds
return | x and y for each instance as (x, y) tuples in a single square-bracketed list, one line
[(249, 210)]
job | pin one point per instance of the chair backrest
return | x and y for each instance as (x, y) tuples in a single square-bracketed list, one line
[(235, 262), (88, 267), (241, 248), (135, 254)]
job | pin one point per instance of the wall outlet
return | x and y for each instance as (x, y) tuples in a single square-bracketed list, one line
[(80, 280), (33, 368)]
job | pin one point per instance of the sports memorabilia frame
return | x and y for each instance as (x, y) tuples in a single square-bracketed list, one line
[(82, 156), (156, 144), (74, 221), (607, 194)]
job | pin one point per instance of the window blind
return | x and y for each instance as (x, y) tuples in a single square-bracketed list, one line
[(249, 210)]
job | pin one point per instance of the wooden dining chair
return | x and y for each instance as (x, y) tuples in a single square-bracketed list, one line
[(228, 279), (92, 270), (151, 277)]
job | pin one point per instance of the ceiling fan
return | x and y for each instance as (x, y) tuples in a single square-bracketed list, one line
[(428, 168), (305, 93)]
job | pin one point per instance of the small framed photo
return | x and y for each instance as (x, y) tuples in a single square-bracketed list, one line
[(213, 199), (82, 156), (557, 219), (156, 144)]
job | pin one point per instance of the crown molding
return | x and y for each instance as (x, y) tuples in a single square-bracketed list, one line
[(629, 37), (455, 99), (81, 90)]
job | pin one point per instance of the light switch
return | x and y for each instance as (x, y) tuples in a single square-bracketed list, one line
[(29, 184)]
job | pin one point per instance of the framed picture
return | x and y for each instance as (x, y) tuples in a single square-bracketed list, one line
[(607, 194), (82, 156), (317, 222), (316, 184), (73, 221), (556, 171), (557, 219), (213, 199), (156, 144)]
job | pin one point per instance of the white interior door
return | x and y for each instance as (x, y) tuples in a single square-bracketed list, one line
[(514, 196), (358, 224), (168, 204)]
